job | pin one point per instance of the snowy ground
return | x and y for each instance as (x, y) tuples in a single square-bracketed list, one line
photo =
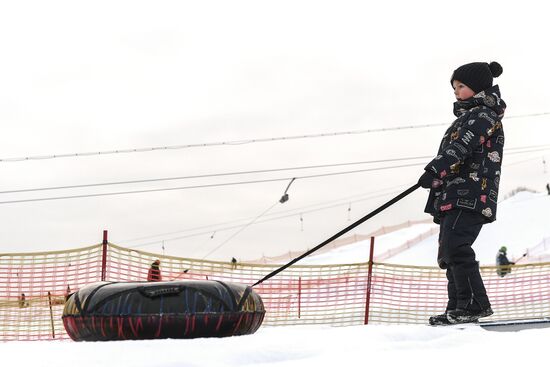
[(298, 346)]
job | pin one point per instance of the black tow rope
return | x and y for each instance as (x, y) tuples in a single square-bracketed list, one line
[(327, 241)]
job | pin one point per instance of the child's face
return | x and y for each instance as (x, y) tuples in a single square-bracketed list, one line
[(462, 91)]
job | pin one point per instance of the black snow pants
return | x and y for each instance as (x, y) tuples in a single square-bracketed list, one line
[(457, 232)]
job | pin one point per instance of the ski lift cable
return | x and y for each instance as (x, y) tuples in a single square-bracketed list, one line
[(283, 200), (16, 201), (213, 175), (296, 212), (218, 225), (203, 186), (213, 144), (238, 142), (241, 229), (525, 149)]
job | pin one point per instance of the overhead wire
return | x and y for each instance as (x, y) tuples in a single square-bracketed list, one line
[(238, 142), (283, 199), (241, 229), (211, 175), (295, 212), (526, 149), (215, 226), (212, 144), (15, 201), (204, 185), (537, 114), (299, 211)]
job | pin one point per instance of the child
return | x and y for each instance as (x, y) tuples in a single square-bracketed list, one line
[(463, 180), (154, 274)]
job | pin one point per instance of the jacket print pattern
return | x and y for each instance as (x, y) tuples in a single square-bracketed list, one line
[(469, 159)]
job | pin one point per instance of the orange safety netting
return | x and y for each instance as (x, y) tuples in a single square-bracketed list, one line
[(33, 287)]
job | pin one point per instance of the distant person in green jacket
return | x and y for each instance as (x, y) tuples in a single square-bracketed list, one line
[(503, 264)]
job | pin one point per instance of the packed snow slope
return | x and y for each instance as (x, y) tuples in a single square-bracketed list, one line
[(299, 346), (523, 222)]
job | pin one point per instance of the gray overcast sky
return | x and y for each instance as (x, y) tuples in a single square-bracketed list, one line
[(105, 75)]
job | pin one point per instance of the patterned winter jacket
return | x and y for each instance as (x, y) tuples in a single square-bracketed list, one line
[(469, 159)]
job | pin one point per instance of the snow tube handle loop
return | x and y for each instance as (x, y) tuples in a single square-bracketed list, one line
[(153, 292)]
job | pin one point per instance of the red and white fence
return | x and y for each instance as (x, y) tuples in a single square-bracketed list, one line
[(33, 287)]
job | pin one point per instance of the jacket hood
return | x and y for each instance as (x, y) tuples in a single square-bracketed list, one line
[(489, 98)]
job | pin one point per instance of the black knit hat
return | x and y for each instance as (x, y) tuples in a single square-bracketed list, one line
[(478, 76)]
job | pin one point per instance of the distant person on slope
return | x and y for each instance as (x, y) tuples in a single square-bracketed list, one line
[(154, 274), (503, 264), (463, 180)]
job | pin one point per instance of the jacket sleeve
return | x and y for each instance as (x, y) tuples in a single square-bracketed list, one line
[(482, 123)]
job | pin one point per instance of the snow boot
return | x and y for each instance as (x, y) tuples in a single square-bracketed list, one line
[(460, 315), (439, 320)]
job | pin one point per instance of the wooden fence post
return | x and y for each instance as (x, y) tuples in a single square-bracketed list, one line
[(369, 281), (104, 257)]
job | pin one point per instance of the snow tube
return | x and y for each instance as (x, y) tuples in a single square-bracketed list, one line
[(158, 310)]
